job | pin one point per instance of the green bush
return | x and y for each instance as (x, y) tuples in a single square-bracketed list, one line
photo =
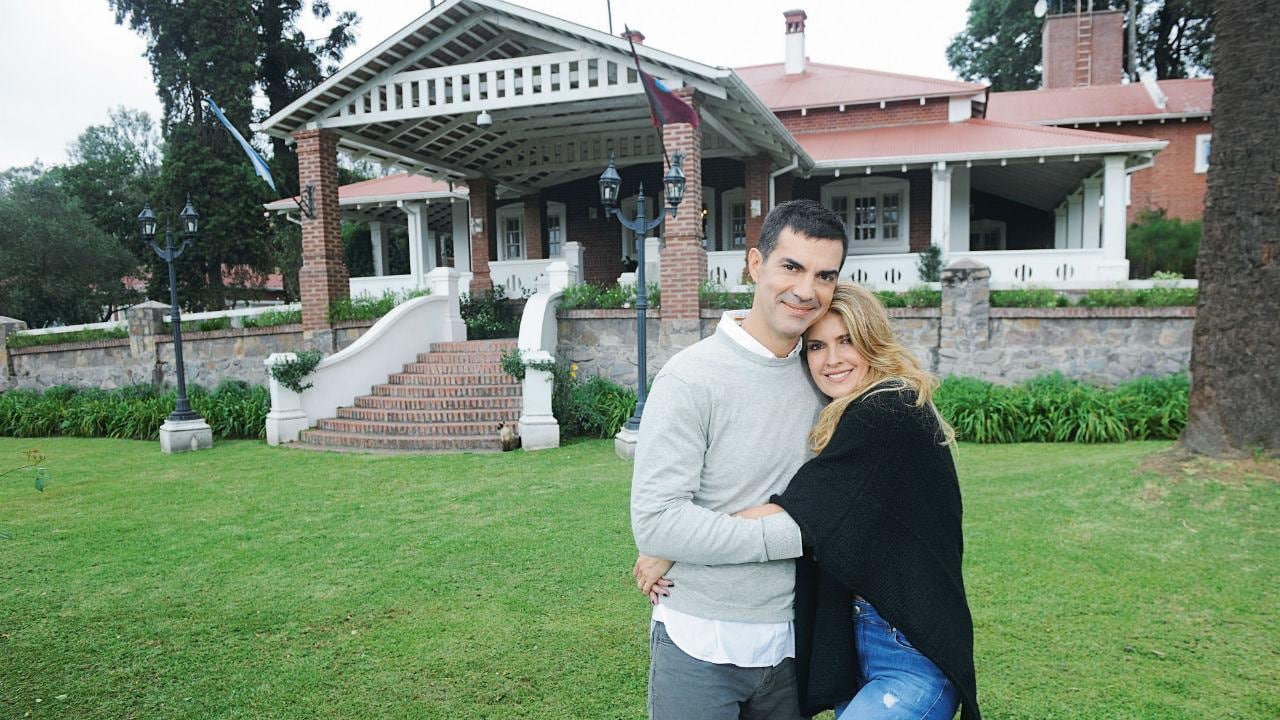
[(21, 340), (205, 325), (489, 315), (718, 297), (590, 296), (1153, 297), (1053, 408), (274, 318), (1158, 243), (600, 407), (929, 264), (366, 307), (234, 409), (1029, 298)]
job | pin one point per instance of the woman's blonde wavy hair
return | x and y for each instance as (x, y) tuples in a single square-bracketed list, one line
[(889, 364)]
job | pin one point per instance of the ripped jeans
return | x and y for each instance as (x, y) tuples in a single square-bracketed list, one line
[(898, 682)]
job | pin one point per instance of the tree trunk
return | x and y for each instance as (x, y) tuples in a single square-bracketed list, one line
[(1235, 355)]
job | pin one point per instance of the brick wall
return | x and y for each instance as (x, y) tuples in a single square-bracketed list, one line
[(900, 112), (1172, 182), (1105, 47)]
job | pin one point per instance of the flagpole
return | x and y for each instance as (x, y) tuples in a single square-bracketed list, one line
[(662, 142)]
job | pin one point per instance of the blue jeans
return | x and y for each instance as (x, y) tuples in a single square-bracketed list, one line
[(897, 683)]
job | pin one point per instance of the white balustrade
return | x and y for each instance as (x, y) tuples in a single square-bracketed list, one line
[(893, 271), (519, 277), (378, 286), (73, 328), (1063, 269), (724, 267)]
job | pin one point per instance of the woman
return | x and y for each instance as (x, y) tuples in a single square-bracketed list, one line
[(881, 613)]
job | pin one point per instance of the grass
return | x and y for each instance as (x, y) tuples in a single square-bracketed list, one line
[(257, 582)]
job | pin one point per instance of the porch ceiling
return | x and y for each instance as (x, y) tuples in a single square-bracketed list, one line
[(562, 97), (1038, 185)]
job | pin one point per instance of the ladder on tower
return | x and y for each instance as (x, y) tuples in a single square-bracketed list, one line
[(1084, 45)]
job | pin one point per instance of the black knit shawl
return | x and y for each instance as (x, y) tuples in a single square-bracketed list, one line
[(880, 512)]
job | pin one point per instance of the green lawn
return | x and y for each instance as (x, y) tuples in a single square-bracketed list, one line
[(256, 582)]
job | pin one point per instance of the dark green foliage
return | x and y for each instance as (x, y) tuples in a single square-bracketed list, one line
[(22, 340), (489, 315), (590, 296), (718, 297), (56, 265), (929, 264), (274, 318), (1031, 298), (234, 410), (919, 296), (1156, 243), (365, 307), (205, 325), (595, 407), (1053, 408), (290, 373), (1153, 297)]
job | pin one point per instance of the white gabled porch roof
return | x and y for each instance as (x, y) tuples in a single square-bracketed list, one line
[(562, 97)]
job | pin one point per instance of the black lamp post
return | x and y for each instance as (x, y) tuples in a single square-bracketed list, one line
[(673, 189), (190, 223)]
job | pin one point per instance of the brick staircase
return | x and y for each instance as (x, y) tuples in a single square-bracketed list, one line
[(452, 398)]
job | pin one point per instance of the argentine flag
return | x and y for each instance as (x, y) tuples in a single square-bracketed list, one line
[(259, 165)]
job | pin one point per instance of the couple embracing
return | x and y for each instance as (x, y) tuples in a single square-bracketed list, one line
[(786, 582)]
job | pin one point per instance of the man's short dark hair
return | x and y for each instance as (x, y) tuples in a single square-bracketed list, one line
[(804, 217)]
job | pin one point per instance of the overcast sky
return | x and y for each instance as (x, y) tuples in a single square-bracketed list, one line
[(66, 63)]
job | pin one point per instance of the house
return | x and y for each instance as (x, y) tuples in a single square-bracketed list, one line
[(523, 110)]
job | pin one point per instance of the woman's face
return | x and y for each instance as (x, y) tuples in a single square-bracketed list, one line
[(835, 365)]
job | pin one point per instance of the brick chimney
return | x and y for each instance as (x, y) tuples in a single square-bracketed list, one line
[(795, 41), (634, 36), (1083, 48)]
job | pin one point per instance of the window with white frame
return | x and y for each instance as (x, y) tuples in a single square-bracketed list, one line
[(1202, 152), (555, 230), (734, 225), (510, 219), (987, 234), (875, 211)]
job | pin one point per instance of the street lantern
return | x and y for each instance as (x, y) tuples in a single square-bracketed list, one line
[(147, 222), (673, 183), (610, 182), (190, 219), (673, 187), (184, 429)]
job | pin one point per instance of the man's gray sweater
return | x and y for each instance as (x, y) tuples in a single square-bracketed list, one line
[(723, 429)]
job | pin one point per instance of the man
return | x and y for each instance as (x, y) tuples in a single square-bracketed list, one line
[(723, 429)]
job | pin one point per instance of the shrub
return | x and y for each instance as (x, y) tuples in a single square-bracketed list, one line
[(718, 297), (274, 318), (589, 296), (919, 296), (205, 325), (929, 264), (1156, 242), (489, 315), (21, 340), (233, 410), (1054, 408), (1153, 297), (290, 373), (600, 407), (1030, 298), (367, 307)]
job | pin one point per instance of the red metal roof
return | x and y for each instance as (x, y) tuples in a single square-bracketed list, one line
[(974, 137), (823, 85), (1063, 105)]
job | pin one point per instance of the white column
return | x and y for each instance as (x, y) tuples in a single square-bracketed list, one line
[(379, 249), (412, 211), (429, 254), (461, 237), (1114, 265), (959, 209), (573, 255), (652, 260), (1091, 219), (443, 282), (940, 220), (1075, 220), (1060, 227)]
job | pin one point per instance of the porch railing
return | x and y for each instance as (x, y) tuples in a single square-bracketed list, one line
[(519, 277)]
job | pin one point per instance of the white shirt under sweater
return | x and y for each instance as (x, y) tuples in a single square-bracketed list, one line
[(721, 641)]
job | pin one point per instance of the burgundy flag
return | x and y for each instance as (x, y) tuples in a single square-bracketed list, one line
[(665, 106)]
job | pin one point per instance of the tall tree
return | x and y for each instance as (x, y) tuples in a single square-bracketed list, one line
[(1235, 354), (113, 171), (56, 266), (1002, 40), (224, 49)]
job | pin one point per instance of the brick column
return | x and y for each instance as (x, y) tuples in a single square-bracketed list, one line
[(756, 185), (535, 224), (483, 238), (684, 261), (323, 277)]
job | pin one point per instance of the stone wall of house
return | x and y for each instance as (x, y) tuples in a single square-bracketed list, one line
[(967, 337), (147, 355)]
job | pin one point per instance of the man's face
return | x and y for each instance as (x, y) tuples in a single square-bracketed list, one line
[(794, 285)]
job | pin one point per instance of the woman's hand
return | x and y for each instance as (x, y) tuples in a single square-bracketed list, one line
[(759, 511), (648, 572)]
